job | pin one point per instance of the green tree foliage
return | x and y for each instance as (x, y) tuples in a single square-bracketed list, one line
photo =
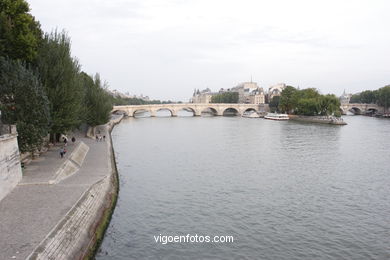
[(118, 101), (20, 34), (365, 97), (60, 76), (308, 102), (327, 104), (274, 104), (307, 107), (307, 93), (288, 99), (23, 102), (380, 97), (97, 102), (226, 97), (368, 97), (355, 99), (384, 97)]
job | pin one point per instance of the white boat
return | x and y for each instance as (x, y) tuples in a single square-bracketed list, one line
[(251, 115), (276, 116)]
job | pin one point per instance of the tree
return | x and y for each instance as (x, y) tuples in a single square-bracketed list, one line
[(307, 93), (226, 97), (288, 99), (20, 34), (327, 104), (368, 97), (96, 101), (307, 107), (274, 104), (59, 73), (384, 97), (23, 102), (308, 102), (356, 98)]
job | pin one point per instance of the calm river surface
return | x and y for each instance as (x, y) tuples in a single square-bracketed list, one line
[(283, 190)]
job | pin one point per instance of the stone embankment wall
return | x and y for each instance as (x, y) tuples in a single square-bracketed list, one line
[(318, 119), (79, 233), (10, 168)]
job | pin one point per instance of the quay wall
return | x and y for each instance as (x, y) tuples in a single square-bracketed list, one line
[(318, 119), (10, 168), (80, 232), (102, 220)]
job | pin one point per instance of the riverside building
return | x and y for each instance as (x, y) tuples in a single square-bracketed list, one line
[(275, 90), (248, 93)]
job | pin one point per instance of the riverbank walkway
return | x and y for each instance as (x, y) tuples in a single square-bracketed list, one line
[(48, 213)]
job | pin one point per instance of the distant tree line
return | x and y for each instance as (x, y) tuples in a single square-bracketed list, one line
[(42, 88), (380, 97), (307, 102), (226, 97), (119, 101)]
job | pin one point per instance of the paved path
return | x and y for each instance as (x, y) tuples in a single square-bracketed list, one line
[(34, 208)]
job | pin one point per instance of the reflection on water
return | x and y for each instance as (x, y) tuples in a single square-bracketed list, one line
[(284, 190)]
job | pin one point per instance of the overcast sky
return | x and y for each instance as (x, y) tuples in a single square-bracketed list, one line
[(166, 48)]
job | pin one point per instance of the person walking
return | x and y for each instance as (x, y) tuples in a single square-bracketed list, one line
[(62, 152), (73, 139)]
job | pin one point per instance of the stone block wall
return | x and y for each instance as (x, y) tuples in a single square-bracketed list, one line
[(10, 168)]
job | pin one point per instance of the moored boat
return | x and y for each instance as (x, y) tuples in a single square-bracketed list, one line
[(276, 116), (251, 115)]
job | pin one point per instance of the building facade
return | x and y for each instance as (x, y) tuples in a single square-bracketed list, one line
[(345, 98), (275, 90), (203, 96), (248, 93)]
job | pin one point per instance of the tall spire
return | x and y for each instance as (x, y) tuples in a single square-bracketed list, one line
[(251, 78)]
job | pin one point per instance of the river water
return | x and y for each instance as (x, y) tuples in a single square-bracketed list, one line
[(282, 190)]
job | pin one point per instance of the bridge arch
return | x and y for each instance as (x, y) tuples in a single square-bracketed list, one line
[(371, 111), (209, 110), (120, 112), (142, 110), (230, 111), (248, 110), (180, 111), (355, 110), (158, 111)]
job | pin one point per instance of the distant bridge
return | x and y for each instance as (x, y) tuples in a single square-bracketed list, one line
[(359, 109), (196, 108)]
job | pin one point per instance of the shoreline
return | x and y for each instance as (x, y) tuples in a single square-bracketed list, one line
[(72, 225), (104, 220), (318, 119), (94, 228)]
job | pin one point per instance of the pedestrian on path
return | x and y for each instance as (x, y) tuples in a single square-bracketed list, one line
[(104, 138), (97, 138), (65, 141), (62, 152), (73, 139)]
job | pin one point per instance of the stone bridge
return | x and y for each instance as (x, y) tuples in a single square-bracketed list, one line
[(196, 108), (359, 109)]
